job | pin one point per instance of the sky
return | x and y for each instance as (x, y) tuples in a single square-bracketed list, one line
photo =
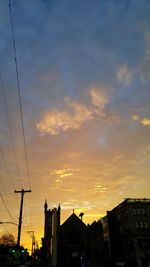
[(84, 78)]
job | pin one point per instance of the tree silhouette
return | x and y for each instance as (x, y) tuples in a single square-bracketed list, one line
[(7, 240)]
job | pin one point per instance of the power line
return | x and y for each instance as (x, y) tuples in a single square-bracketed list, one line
[(6, 206), (7, 170), (18, 89), (6, 230), (9, 223), (2, 187), (9, 124)]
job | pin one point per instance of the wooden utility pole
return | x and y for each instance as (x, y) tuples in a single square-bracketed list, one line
[(22, 192)]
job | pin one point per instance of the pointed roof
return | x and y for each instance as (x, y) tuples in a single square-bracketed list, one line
[(74, 219)]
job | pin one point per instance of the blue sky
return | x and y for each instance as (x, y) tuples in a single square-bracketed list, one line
[(84, 71)]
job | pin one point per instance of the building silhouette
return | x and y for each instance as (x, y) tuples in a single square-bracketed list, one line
[(95, 252), (73, 244), (121, 238), (81, 244), (50, 241), (126, 231)]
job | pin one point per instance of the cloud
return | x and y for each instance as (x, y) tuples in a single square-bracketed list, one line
[(62, 173), (54, 121), (144, 121), (99, 215), (77, 205), (100, 188), (124, 75), (99, 100)]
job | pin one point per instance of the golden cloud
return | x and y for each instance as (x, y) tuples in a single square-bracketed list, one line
[(77, 206), (144, 121), (54, 122), (100, 188), (62, 173), (100, 215)]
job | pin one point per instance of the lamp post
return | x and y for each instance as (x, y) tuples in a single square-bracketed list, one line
[(81, 215)]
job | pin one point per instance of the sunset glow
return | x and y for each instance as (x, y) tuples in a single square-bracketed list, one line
[(84, 72)]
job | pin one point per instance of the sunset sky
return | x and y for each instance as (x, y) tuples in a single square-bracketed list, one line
[(84, 73)]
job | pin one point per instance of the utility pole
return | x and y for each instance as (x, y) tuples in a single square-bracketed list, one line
[(31, 233), (22, 192)]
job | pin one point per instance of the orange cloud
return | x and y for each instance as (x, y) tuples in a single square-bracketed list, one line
[(144, 121), (78, 206), (54, 122), (62, 173)]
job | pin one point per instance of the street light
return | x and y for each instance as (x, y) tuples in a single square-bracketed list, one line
[(81, 215)]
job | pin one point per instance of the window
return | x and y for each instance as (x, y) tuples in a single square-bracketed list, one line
[(141, 225), (146, 224), (134, 211), (137, 224), (138, 211), (143, 211)]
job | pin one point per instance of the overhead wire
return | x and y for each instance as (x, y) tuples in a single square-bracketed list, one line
[(10, 179), (3, 190), (19, 95), (18, 89), (7, 210), (6, 168), (2, 187), (9, 125), (6, 230), (4, 161)]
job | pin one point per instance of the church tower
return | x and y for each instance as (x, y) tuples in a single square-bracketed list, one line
[(50, 242)]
